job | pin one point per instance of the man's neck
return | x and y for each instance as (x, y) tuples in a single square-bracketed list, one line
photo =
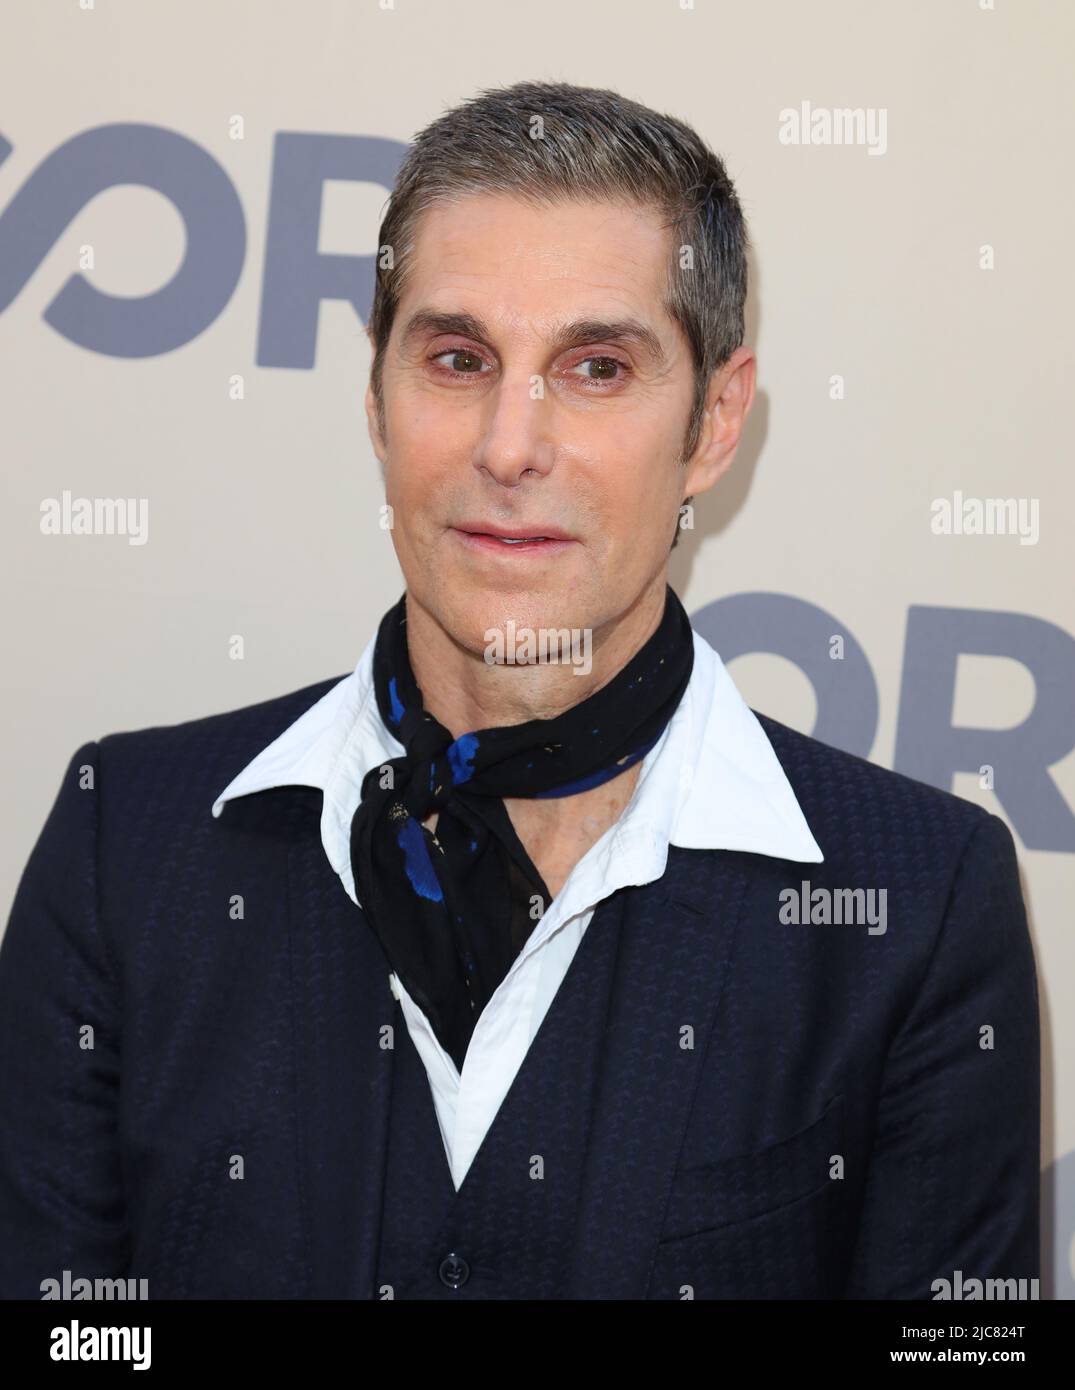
[(464, 692)]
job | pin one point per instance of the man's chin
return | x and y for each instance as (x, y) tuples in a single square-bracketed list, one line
[(478, 612)]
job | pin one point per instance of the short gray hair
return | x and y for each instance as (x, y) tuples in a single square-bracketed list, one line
[(548, 142)]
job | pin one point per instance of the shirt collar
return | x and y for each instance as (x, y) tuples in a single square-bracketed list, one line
[(712, 781)]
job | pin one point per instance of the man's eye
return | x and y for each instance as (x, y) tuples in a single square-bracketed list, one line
[(601, 368), (461, 361)]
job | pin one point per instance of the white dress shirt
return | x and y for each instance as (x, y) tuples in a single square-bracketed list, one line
[(712, 781)]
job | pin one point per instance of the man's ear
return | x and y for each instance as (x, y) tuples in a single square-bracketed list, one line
[(373, 424), (728, 402), (373, 421)]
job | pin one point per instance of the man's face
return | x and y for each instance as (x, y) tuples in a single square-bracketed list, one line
[(555, 403)]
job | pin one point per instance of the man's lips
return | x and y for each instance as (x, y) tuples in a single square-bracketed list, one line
[(504, 540)]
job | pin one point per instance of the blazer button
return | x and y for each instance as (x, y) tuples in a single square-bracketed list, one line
[(454, 1271)]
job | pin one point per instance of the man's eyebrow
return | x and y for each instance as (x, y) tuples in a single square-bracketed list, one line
[(430, 322), (625, 332)]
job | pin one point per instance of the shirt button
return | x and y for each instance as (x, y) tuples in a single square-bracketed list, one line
[(454, 1271)]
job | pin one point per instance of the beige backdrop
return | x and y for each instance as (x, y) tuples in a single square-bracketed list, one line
[(952, 363)]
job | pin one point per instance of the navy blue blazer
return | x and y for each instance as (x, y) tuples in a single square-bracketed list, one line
[(844, 1113)]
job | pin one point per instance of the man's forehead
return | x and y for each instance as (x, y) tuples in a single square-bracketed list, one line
[(494, 264), (596, 242)]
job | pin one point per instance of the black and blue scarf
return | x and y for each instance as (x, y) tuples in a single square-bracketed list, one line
[(453, 907)]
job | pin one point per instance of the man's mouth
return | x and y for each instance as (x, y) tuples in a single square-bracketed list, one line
[(544, 539)]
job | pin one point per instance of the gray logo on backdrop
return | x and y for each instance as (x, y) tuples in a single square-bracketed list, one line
[(297, 277), (928, 746)]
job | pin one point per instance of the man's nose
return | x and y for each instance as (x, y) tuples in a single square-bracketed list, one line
[(515, 442)]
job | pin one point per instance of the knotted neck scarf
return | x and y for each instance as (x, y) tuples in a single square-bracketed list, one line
[(452, 907)]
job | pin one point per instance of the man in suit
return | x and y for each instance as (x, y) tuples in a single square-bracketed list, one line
[(524, 961)]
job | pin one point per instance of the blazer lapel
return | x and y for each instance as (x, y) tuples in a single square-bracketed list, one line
[(343, 1007), (676, 943)]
